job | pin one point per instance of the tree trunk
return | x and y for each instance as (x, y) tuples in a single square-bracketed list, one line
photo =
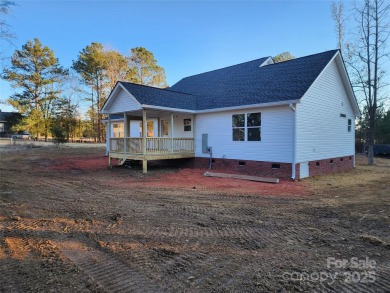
[(370, 152), (370, 136)]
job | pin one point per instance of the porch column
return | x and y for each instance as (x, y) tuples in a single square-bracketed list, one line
[(193, 132), (171, 132), (125, 134), (144, 131), (109, 140)]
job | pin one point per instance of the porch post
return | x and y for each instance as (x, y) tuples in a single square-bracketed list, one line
[(124, 135), (144, 131), (193, 132), (109, 140), (171, 132)]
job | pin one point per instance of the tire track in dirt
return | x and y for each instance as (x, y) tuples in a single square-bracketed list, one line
[(181, 270), (9, 269), (13, 250), (107, 271)]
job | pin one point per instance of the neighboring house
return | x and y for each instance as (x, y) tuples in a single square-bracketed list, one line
[(7, 120), (290, 119)]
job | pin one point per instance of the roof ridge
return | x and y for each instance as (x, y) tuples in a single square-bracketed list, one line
[(227, 67), (302, 57)]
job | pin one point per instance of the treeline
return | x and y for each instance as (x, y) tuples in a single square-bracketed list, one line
[(382, 129), (66, 102)]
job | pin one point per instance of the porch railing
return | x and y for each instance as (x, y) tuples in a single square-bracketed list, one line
[(154, 145)]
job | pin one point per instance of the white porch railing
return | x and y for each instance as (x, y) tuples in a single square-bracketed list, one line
[(154, 145)]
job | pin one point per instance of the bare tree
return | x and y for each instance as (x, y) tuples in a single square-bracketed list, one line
[(338, 17), (5, 7), (366, 59)]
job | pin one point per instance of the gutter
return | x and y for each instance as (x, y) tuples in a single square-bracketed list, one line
[(170, 109), (143, 106), (262, 105)]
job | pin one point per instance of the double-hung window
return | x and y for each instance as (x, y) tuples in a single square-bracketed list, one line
[(118, 130), (246, 127)]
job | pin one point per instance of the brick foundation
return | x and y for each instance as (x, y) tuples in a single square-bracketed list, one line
[(255, 168), (328, 166), (260, 168)]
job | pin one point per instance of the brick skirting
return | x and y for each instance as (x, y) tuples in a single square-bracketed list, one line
[(265, 169), (332, 165), (255, 168)]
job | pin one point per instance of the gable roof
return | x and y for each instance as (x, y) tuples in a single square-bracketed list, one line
[(148, 95), (247, 83), (239, 85)]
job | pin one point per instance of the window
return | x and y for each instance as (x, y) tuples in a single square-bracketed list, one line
[(349, 125), (150, 128), (118, 130), (187, 124), (246, 127), (343, 115), (275, 166), (1, 127), (238, 124)]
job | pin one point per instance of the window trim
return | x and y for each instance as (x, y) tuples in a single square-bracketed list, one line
[(246, 127), (116, 130), (349, 125), (187, 122), (239, 127)]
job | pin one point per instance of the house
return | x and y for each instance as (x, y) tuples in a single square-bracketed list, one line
[(292, 119), (7, 120)]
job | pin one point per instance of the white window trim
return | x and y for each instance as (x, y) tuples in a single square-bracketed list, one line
[(245, 127)]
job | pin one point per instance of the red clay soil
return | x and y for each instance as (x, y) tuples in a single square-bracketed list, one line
[(70, 224), (186, 178)]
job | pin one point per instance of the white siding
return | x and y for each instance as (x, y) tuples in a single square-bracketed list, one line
[(321, 132), (178, 125), (123, 102), (276, 135)]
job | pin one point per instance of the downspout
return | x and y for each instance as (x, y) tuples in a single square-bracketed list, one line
[(294, 151)]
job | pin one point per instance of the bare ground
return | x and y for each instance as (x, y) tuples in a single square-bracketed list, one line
[(69, 224)]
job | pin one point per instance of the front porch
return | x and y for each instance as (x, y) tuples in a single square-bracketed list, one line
[(149, 135), (156, 148)]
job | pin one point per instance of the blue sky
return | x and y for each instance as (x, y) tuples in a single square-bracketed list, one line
[(186, 37)]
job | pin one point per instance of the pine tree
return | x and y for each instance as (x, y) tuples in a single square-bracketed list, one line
[(144, 69), (36, 72)]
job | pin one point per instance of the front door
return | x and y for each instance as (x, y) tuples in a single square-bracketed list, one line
[(135, 128), (151, 128)]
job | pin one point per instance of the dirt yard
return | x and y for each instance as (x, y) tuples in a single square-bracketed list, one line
[(69, 224)]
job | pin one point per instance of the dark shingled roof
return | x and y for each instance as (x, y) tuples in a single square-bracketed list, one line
[(238, 85), (6, 116), (161, 97)]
